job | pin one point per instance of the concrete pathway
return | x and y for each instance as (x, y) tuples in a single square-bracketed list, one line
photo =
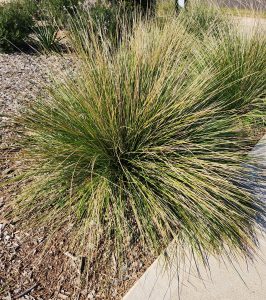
[(221, 281), (249, 24), (246, 4)]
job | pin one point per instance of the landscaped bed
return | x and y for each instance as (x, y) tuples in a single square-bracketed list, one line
[(219, 77), (58, 276)]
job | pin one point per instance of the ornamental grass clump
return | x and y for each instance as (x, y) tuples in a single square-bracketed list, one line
[(133, 151)]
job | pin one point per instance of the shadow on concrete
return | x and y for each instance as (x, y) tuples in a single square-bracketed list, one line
[(256, 171)]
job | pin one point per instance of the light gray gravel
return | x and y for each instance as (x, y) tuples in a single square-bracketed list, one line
[(22, 78)]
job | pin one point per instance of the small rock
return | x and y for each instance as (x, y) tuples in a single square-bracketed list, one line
[(8, 297), (62, 296), (1, 201), (2, 226), (90, 296), (7, 237)]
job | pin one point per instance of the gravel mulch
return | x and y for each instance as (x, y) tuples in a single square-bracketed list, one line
[(28, 270)]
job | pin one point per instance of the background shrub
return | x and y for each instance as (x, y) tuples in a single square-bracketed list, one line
[(16, 22), (147, 7), (55, 10)]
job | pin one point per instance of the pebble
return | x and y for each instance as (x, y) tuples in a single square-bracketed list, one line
[(62, 296), (7, 237), (2, 226)]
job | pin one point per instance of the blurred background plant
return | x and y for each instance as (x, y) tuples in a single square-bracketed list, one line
[(59, 9), (16, 22), (46, 35)]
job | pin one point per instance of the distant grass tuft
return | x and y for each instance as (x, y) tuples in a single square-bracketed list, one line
[(203, 18)]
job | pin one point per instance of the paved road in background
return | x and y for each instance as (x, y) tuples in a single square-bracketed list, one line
[(255, 4)]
